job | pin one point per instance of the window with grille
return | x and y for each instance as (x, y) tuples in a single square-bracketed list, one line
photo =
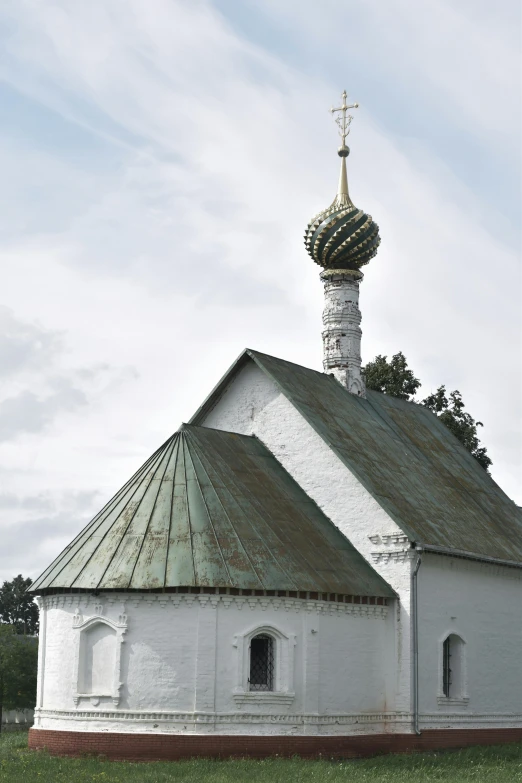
[(446, 666), (454, 684), (261, 663)]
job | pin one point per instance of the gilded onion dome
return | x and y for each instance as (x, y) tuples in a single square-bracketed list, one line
[(342, 236)]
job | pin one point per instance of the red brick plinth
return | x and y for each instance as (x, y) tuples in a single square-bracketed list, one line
[(170, 747)]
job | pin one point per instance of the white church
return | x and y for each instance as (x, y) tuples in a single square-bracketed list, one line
[(306, 567)]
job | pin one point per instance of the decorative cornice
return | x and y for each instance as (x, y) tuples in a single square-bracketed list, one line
[(296, 719), (354, 274), (461, 718), (240, 602), (397, 556), (235, 717), (402, 551), (391, 539)]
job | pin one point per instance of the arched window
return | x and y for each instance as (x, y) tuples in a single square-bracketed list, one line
[(261, 676), (453, 667)]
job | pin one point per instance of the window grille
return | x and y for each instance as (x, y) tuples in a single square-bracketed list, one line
[(261, 663), (446, 666)]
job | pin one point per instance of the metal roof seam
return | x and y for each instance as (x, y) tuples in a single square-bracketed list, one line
[(253, 504), (189, 518), (171, 445), (301, 387), (254, 569), (274, 529), (68, 549), (167, 548), (323, 435), (316, 505), (106, 532), (88, 531), (185, 434)]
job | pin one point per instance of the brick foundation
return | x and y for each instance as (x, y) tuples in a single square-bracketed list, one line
[(170, 747)]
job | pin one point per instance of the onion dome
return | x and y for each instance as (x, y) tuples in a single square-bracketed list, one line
[(342, 237)]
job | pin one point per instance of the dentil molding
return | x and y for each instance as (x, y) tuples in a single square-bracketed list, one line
[(103, 605)]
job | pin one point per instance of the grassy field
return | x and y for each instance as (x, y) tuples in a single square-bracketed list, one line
[(498, 764)]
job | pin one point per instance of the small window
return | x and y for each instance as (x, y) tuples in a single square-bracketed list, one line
[(261, 663), (446, 666), (453, 667)]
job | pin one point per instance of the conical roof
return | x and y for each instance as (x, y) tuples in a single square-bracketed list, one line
[(212, 509)]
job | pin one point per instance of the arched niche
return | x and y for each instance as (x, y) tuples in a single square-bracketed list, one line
[(98, 659)]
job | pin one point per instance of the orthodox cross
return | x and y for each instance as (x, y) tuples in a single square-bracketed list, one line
[(342, 120)]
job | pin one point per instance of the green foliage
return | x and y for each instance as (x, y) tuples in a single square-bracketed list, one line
[(391, 377), (394, 377), (450, 410), (17, 607), (494, 764), (18, 669)]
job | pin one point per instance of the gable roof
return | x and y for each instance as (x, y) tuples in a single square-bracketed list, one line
[(212, 509), (411, 463)]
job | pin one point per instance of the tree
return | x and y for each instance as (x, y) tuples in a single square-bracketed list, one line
[(391, 377), (395, 378), (18, 670), (17, 607), (450, 410)]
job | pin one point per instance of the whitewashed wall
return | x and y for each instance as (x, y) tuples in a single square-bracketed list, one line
[(184, 663), (486, 600), (482, 604), (252, 404)]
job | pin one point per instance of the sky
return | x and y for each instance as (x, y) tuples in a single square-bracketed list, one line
[(160, 162)]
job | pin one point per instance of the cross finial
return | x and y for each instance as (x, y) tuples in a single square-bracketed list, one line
[(343, 120)]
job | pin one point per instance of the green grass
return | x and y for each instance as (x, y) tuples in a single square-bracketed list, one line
[(496, 764)]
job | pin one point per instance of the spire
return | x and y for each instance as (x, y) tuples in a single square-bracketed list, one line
[(343, 121), (343, 197)]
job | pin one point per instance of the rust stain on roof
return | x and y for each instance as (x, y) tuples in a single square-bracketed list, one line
[(410, 462), (212, 509)]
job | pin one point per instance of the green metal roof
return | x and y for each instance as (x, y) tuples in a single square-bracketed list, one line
[(406, 458), (212, 509)]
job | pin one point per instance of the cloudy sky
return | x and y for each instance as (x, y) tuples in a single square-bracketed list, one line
[(159, 163)]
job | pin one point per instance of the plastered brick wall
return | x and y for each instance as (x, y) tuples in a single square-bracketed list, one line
[(484, 600), (184, 665), (253, 405), (482, 604)]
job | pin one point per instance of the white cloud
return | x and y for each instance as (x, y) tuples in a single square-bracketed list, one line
[(176, 240)]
